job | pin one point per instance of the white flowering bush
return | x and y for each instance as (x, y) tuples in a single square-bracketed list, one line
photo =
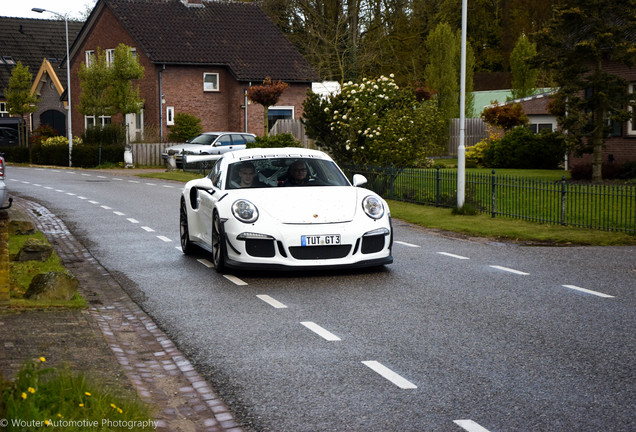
[(374, 122)]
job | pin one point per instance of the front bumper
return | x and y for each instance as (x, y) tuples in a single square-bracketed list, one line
[(365, 244)]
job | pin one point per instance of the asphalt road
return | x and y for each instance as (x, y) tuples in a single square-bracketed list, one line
[(456, 335)]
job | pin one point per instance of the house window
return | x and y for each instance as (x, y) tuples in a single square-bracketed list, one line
[(277, 113), (110, 57), (210, 82), (631, 123), (89, 121), (170, 116), (89, 57), (3, 110), (8, 60)]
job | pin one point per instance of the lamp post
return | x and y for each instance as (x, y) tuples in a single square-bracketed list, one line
[(68, 84)]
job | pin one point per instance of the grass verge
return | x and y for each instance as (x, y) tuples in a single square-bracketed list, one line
[(40, 398), (21, 274)]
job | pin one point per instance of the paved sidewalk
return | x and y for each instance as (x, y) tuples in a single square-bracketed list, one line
[(113, 334)]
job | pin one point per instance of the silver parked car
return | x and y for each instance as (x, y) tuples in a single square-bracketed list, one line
[(3, 187), (209, 143)]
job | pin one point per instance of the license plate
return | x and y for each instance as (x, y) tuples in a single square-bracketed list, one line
[(320, 240)]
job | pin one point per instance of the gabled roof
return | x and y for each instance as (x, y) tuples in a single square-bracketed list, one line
[(31, 41), (237, 35)]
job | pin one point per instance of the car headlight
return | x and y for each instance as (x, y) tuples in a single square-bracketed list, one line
[(244, 211), (373, 207)]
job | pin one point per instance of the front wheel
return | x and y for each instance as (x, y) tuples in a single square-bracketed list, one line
[(184, 233), (219, 251)]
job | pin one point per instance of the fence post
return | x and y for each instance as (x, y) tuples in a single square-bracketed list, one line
[(494, 200), (437, 188), (391, 173), (562, 200)]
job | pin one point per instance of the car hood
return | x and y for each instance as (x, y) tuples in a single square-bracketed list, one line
[(311, 204), (191, 148)]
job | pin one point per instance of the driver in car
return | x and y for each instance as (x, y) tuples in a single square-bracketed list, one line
[(298, 174), (247, 174)]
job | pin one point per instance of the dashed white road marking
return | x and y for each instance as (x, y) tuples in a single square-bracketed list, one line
[(105, 207), (150, 184), (206, 263), (93, 202), (148, 229), (407, 244), (470, 426), (59, 190), (169, 186), (70, 194), (118, 213), (271, 301), (235, 280), (133, 181), (325, 334), (510, 270), (596, 293), (82, 198), (453, 255), (389, 374), (164, 238), (131, 220)]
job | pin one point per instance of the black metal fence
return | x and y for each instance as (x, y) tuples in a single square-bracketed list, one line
[(608, 207)]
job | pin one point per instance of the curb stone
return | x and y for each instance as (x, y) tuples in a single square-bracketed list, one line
[(157, 370)]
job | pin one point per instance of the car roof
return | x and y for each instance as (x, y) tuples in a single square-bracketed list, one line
[(284, 152), (222, 132)]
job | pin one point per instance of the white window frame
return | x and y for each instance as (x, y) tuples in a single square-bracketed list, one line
[(104, 120), (209, 88), (89, 57), (3, 109), (631, 123), (110, 57), (170, 116)]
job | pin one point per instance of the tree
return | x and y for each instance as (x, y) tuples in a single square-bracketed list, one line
[(19, 99), (95, 81), (580, 40), (524, 74), (126, 69), (443, 72), (267, 95), (108, 89)]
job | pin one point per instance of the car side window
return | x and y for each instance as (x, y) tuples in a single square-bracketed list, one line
[(224, 140), (249, 138), (238, 139), (215, 175)]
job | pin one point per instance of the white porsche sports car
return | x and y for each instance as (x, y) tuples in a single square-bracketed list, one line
[(284, 208)]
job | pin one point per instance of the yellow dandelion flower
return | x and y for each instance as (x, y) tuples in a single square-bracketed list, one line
[(113, 406), (60, 415), (46, 422), (42, 359), (87, 394), (31, 390), (24, 395), (81, 405)]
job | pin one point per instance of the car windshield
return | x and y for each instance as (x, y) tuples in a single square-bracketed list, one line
[(284, 171), (205, 139)]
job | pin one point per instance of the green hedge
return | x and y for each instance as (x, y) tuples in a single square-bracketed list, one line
[(85, 156)]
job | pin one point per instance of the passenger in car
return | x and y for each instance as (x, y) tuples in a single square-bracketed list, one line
[(248, 176)]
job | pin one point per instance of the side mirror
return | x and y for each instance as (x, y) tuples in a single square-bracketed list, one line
[(359, 179)]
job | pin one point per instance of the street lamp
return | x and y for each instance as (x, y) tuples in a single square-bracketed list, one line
[(68, 83)]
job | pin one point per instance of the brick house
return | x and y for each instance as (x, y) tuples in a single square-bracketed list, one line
[(199, 58), (620, 146), (41, 45)]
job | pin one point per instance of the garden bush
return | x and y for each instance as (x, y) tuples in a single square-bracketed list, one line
[(186, 126), (274, 141), (521, 148)]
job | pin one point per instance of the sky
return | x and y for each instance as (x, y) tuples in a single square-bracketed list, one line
[(22, 8)]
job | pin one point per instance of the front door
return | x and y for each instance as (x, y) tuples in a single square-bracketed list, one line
[(135, 126)]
